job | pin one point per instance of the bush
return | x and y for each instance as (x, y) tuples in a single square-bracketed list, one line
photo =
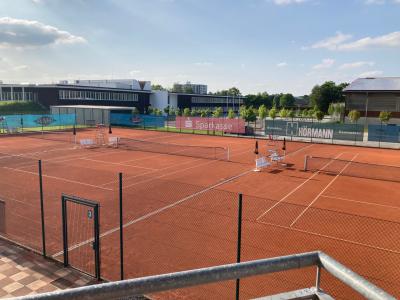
[(384, 116), (354, 116)]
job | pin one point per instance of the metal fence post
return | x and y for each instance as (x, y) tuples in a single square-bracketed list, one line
[(121, 227), (42, 209), (239, 242)]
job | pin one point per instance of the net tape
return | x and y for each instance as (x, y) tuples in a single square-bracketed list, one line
[(352, 168), (217, 153)]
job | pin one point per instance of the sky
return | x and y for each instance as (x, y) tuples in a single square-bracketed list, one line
[(275, 46)]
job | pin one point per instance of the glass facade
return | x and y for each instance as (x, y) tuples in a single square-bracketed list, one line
[(97, 95)]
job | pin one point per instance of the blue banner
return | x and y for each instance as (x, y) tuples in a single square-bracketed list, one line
[(32, 121), (299, 128), (131, 120), (384, 133)]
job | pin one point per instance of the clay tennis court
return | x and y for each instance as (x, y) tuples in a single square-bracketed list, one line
[(180, 212)]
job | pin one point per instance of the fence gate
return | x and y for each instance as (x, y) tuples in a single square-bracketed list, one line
[(81, 237)]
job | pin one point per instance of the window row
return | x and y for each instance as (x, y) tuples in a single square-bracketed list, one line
[(209, 100), (92, 95), (18, 96)]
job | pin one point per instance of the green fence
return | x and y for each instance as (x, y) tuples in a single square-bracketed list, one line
[(314, 130)]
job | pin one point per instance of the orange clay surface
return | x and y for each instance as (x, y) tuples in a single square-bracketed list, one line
[(181, 212)]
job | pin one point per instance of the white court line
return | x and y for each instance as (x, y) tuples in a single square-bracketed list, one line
[(323, 190), (61, 179), (361, 202), (330, 237), (118, 164), (148, 215), (297, 187)]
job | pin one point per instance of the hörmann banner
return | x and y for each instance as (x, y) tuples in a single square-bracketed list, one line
[(310, 130), (213, 124)]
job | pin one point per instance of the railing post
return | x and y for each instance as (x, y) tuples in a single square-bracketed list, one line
[(305, 162), (239, 242), (121, 227), (42, 209), (318, 278)]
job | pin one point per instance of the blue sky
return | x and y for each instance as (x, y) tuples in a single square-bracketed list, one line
[(256, 45)]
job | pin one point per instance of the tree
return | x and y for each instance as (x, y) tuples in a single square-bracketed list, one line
[(331, 109), (385, 116), (354, 116), (283, 113), (149, 110), (322, 95), (310, 113), (186, 112), (291, 114), (135, 111), (177, 88), (248, 114), (231, 114), (187, 89), (195, 112), (276, 101), (178, 112), (217, 112), (273, 113), (319, 115), (157, 87), (167, 110), (304, 113), (262, 112), (286, 100), (172, 111)]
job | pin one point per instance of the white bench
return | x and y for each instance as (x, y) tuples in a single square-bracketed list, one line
[(261, 163), (113, 141), (87, 143)]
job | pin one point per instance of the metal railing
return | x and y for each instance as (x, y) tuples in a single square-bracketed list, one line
[(159, 283)]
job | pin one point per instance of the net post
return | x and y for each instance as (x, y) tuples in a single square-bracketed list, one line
[(239, 242), (42, 209), (121, 227), (305, 163), (109, 129), (229, 153)]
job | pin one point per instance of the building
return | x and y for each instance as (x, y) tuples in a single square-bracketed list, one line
[(189, 87), (117, 93), (126, 93), (370, 96), (196, 101)]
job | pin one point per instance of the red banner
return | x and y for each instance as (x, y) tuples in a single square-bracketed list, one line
[(213, 124)]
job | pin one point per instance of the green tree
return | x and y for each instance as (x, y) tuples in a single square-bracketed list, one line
[(135, 111), (167, 110), (157, 87), (186, 112), (319, 115), (354, 116), (310, 113), (178, 112), (171, 111), (385, 116), (149, 110), (262, 112), (331, 109), (273, 113), (286, 100), (276, 101), (283, 113), (231, 114), (291, 113), (177, 88), (248, 114), (322, 95), (195, 112), (217, 112), (187, 89), (304, 113)]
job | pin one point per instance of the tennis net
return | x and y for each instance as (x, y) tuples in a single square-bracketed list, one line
[(217, 153), (65, 136), (352, 168)]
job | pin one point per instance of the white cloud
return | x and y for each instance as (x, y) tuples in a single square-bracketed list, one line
[(371, 74), (357, 64), (282, 64), (287, 2), (325, 64), (203, 64), (369, 2), (134, 72), (332, 42), (21, 33), (340, 42), (20, 68), (390, 40)]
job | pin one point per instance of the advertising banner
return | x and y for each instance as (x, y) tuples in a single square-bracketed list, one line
[(349, 132), (211, 124)]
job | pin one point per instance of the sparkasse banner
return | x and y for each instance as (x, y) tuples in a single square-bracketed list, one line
[(213, 124), (350, 132)]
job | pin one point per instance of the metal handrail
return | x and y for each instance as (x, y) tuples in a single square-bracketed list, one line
[(158, 283)]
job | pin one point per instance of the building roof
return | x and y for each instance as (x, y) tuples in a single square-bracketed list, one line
[(206, 95), (383, 84)]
